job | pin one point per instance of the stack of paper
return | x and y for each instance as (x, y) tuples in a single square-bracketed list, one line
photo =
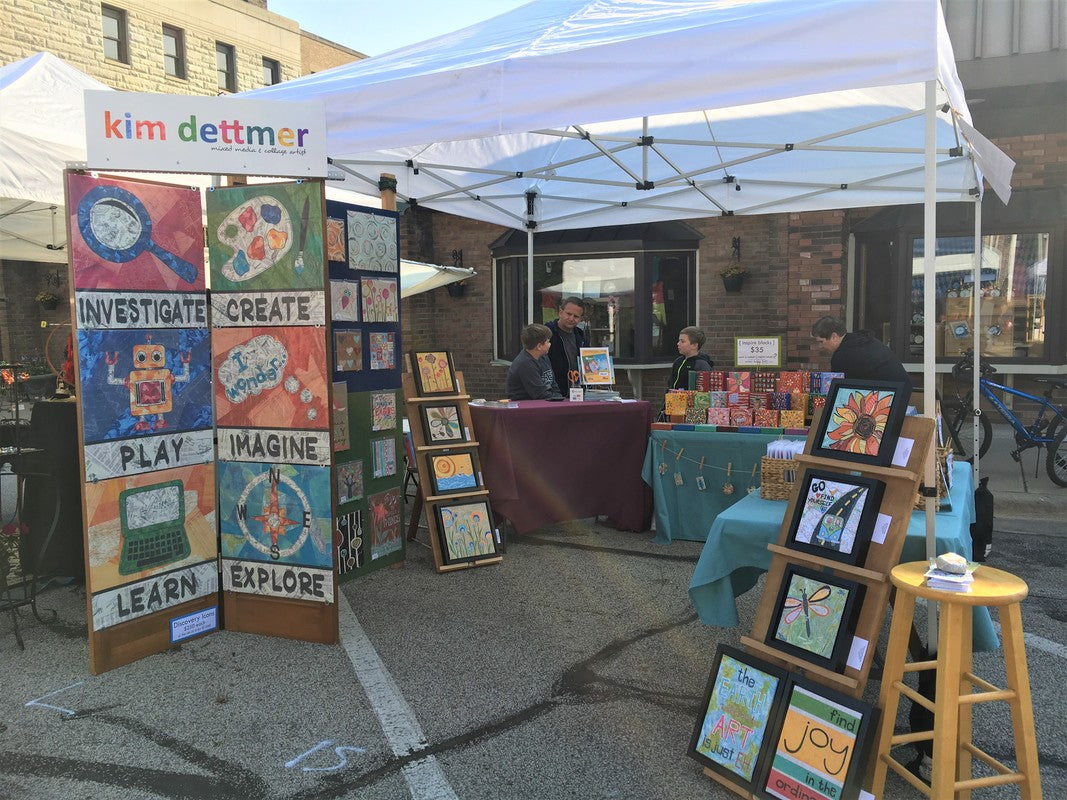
[(601, 394), (950, 581)]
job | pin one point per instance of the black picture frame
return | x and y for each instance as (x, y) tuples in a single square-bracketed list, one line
[(457, 482), (866, 438), (835, 515), (811, 718), (466, 530), (437, 424), (826, 622), (425, 385), (727, 689)]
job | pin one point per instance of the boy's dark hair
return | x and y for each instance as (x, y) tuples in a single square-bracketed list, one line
[(533, 335), (694, 334), (827, 326)]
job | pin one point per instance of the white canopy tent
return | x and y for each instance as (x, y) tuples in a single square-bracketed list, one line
[(576, 113)]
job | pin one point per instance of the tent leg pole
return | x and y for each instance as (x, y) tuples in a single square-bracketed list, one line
[(929, 312), (529, 276), (976, 310)]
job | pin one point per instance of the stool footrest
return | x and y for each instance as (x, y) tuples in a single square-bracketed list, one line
[(993, 763), (909, 738), (906, 774), (987, 697), (913, 695), (920, 666)]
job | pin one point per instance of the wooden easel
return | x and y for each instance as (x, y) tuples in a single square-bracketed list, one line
[(422, 457), (898, 501)]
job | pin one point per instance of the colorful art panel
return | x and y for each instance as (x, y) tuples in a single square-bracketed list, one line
[(248, 309), (383, 455), (339, 391), (382, 347), (381, 299), (434, 373), (466, 531), (348, 350), (335, 240), (861, 421), (344, 301), (453, 471), (734, 722), (372, 242), (278, 513), (135, 236), (835, 515), (267, 236), (144, 525), (271, 378), (814, 616), (349, 478), (821, 746), (120, 457), (292, 581), (144, 382), (267, 446), (140, 310), (442, 423), (383, 510), (383, 411)]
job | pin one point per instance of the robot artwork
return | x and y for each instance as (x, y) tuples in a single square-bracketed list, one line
[(149, 382)]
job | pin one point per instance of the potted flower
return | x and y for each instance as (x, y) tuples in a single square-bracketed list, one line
[(456, 288), (733, 277), (48, 300)]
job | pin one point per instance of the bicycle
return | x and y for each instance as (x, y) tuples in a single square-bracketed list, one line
[(1048, 429)]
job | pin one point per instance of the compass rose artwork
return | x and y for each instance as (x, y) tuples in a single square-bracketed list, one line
[(277, 513)]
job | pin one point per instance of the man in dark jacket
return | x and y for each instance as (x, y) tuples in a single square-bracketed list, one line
[(567, 340), (859, 355)]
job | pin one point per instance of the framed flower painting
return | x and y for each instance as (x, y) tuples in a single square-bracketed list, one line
[(454, 471), (442, 423), (861, 421), (835, 515), (466, 531), (434, 373)]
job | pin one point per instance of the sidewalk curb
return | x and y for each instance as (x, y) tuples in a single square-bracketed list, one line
[(1032, 505)]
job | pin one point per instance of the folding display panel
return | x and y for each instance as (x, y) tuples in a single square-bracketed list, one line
[(814, 616), (861, 421), (835, 515), (733, 723), (820, 744)]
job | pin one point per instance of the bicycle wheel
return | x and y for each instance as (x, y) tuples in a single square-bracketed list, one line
[(1056, 461), (960, 421)]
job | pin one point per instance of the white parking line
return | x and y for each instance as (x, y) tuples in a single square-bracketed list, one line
[(1040, 643), (425, 779)]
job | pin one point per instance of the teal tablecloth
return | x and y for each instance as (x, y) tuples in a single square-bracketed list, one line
[(684, 512), (735, 553)]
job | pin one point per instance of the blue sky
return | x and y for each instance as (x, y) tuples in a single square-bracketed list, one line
[(378, 26)]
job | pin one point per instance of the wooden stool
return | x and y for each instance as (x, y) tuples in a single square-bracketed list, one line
[(951, 735)]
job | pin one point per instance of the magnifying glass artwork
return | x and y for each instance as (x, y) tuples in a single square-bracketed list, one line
[(115, 225)]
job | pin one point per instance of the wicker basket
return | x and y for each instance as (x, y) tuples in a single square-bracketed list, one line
[(777, 477), (939, 473)]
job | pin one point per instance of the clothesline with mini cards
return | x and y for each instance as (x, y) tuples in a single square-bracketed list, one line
[(698, 480)]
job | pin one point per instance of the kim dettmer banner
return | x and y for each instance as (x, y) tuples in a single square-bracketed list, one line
[(213, 135)]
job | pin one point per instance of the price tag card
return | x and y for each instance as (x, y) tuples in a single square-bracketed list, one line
[(857, 652), (881, 528), (763, 352), (903, 451), (577, 394)]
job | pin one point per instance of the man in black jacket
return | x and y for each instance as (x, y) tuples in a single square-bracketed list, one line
[(858, 354), (567, 340)]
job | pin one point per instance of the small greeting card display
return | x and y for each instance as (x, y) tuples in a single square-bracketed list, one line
[(814, 616), (453, 471), (734, 721), (820, 744), (434, 373), (597, 369), (835, 515), (466, 531), (442, 423), (861, 421)]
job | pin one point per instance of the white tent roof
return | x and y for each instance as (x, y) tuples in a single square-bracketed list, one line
[(802, 105)]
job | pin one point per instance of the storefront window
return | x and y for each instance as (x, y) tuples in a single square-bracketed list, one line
[(606, 285), (1012, 319)]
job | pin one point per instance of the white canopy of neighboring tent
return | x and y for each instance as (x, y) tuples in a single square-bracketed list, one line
[(416, 277), (710, 106)]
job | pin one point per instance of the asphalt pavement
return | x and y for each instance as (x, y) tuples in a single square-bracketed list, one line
[(574, 669)]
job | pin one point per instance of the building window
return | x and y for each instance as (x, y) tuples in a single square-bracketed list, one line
[(272, 72), (174, 51), (116, 34), (638, 290), (1012, 315), (226, 67)]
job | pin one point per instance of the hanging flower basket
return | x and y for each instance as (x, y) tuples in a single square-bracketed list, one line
[(733, 278), (456, 289), (47, 300)]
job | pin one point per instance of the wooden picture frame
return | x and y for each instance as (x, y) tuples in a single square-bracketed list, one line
[(434, 373), (466, 531), (733, 744), (835, 515), (861, 421), (454, 471), (814, 616), (820, 745), (442, 423)]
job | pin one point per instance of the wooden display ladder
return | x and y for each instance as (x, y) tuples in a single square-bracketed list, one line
[(898, 501), (412, 403)]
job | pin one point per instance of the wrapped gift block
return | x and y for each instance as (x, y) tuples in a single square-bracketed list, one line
[(781, 401), (717, 381), (702, 382), (759, 400), (719, 415), (662, 426), (701, 401), (675, 403), (817, 402), (820, 381), (800, 402), (793, 382), (791, 419), (740, 416), (718, 399), (765, 417), (696, 415), (739, 382), (737, 398), (764, 381)]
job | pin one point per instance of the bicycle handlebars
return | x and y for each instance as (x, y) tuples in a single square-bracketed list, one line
[(965, 366)]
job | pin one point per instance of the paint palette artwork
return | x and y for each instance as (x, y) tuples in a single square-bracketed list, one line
[(260, 233)]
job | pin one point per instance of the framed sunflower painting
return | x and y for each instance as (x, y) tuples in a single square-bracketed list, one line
[(861, 421)]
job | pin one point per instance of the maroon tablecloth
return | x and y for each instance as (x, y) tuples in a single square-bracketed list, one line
[(550, 462)]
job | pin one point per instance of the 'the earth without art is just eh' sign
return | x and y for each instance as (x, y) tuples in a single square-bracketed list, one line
[(216, 135)]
